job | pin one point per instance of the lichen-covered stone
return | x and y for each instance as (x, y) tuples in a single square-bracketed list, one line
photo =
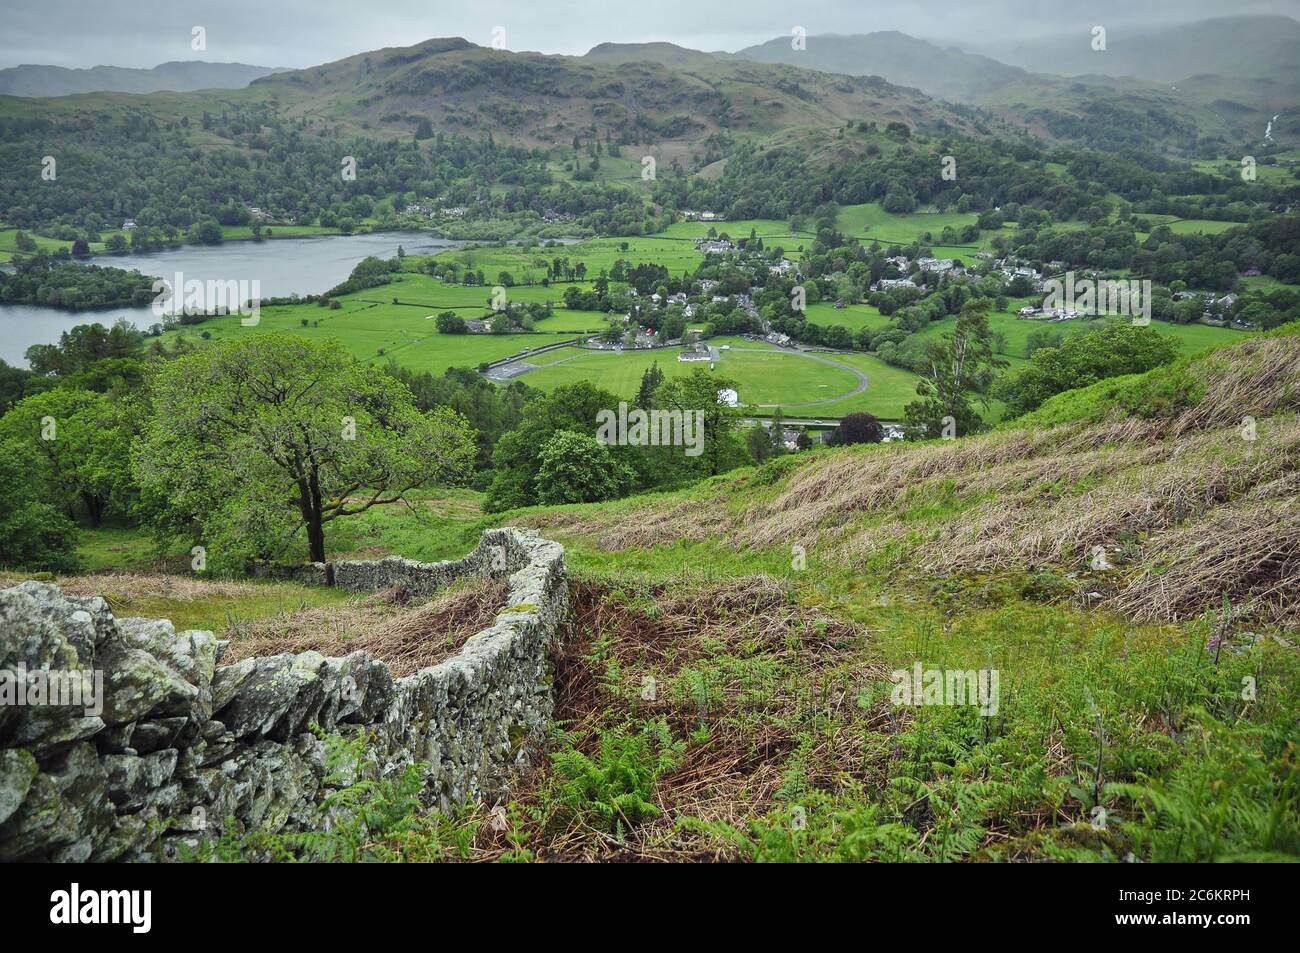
[(17, 770)]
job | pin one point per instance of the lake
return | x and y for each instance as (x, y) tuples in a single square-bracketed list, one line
[(284, 266)]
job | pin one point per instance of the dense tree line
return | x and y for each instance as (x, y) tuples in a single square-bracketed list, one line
[(1079, 360), (45, 281)]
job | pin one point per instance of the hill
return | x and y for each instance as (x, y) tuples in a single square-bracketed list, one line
[(1237, 46), (536, 99), (1183, 479), (1088, 109), (947, 73), (1099, 600), (668, 54), (41, 81)]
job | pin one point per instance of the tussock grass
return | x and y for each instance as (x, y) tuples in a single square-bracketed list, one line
[(190, 602), (770, 734), (270, 618)]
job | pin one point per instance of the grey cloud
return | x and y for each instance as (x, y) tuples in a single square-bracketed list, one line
[(299, 33)]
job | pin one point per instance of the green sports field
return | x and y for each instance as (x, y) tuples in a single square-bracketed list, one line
[(807, 384)]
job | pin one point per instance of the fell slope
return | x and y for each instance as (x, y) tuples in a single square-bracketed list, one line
[(1086, 108), (539, 99), (1163, 496)]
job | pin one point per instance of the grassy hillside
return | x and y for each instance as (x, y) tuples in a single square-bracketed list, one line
[(541, 100), (1130, 693), (1154, 470), (1127, 560)]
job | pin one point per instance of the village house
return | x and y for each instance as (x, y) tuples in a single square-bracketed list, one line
[(936, 264), (714, 246), (698, 352)]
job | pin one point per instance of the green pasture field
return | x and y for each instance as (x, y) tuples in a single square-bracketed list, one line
[(763, 376), (1192, 338), (9, 242), (374, 331), (854, 317), (1186, 226), (1272, 174)]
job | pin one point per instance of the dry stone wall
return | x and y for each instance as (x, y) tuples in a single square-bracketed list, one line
[(181, 746)]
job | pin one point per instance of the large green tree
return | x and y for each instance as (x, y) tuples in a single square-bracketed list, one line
[(260, 440), (517, 457), (34, 535), (74, 448), (704, 392), (577, 468)]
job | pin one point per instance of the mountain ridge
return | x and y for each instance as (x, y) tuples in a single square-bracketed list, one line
[(41, 81)]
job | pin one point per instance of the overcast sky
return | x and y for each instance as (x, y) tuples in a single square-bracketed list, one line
[(298, 33)]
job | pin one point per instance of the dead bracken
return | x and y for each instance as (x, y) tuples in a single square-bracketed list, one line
[(733, 667), (405, 634)]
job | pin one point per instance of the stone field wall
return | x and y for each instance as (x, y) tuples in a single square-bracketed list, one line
[(182, 746)]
